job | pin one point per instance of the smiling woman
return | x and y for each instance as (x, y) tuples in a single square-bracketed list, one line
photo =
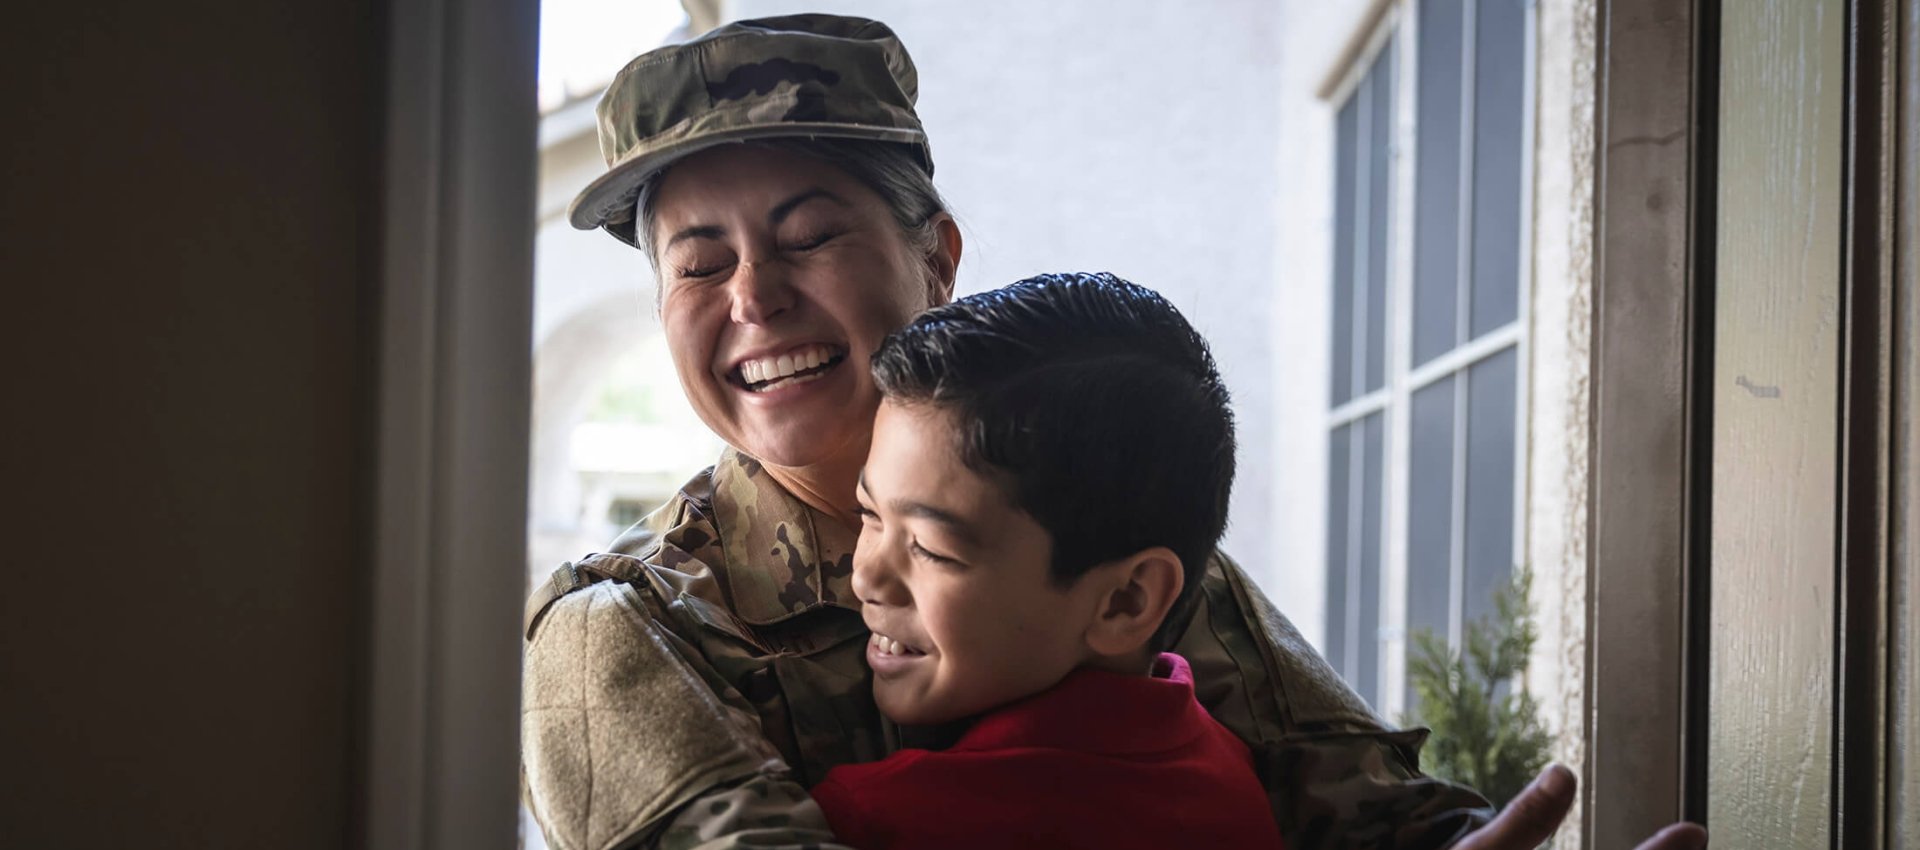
[(692, 681), (760, 244)]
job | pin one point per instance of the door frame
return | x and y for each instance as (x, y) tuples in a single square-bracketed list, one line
[(1651, 341), (440, 705)]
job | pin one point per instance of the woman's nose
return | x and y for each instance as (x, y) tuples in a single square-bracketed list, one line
[(760, 291)]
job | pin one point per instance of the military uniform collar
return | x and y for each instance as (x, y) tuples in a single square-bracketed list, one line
[(783, 558)]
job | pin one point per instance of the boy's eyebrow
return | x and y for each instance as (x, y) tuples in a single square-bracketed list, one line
[(960, 527)]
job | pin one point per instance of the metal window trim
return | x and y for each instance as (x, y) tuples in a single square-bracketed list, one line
[(1464, 357), (1399, 394), (1359, 408), (1373, 30), (1358, 342), (1523, 304), (1648, 197), (1903, 791)]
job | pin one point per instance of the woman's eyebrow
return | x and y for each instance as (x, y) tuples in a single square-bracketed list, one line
[(776, 215), (785, 208), (698, 231)]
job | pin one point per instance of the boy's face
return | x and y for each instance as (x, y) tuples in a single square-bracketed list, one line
[(953, 580)]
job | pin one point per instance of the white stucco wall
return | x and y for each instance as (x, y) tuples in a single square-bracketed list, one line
[(1131, 136), (1560, 358)]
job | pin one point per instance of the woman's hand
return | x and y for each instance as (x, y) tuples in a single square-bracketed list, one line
[(1532, 817)]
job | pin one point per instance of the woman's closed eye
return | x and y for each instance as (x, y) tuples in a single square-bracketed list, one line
[(809, 243), (696, 271)]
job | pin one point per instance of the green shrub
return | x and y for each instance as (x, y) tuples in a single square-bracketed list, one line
[(1487, 732)]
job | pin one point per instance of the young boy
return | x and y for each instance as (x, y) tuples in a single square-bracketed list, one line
[(1049, 473)]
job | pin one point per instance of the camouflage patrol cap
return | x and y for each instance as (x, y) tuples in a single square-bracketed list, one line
[(797, 75)]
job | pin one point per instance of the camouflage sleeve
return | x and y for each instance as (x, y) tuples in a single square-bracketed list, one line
[(629, 740), (760, 813), (1335, 776)]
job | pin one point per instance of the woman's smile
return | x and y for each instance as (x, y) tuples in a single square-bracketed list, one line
[(794, 366), (785, 374)]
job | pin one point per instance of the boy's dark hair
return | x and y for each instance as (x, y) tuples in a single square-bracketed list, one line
[(1097, 403)]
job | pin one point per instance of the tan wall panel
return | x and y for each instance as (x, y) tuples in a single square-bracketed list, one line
[(188, 208), (1775, 439), (1903, 760)]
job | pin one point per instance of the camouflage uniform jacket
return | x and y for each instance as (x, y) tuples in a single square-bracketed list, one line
[(685, 688)]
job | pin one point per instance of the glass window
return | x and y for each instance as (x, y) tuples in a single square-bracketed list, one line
[(1379, 206), (1436, 191), (1490, 459), (1499, 49), (1347, 134), (1448, 373)]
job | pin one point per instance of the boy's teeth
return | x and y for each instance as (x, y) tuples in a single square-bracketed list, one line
[(887, 645)]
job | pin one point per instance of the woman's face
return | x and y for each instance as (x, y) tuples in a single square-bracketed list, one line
[(779, 275)]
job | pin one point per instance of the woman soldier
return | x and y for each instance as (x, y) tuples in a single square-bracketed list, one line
[(685, 687)]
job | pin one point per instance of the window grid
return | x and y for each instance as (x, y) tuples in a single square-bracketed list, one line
[(1398, 32)]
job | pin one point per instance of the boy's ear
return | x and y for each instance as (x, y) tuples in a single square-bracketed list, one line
[(944, 261), (1139, 590)]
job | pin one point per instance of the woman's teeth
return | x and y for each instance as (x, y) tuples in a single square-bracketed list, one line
[(765, 373), (888, 646)]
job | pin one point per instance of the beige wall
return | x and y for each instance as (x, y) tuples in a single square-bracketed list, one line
[(189, 211)]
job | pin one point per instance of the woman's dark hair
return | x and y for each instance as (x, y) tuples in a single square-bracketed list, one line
[(1098, 405)]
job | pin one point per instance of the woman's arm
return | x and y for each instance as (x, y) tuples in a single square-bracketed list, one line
[(1335, 776), (630, 740)]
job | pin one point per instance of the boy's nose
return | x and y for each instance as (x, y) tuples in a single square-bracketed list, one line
[(876, 582)]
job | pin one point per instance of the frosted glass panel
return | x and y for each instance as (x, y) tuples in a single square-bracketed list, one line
[(1499, 149), (1436, 229), (1346, 140), (1490, 481), (1339, 472)]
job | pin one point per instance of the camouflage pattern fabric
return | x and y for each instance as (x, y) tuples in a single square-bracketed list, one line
[(749, 592), (795, 75)]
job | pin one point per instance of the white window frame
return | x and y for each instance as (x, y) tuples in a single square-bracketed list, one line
[(1396, 23)]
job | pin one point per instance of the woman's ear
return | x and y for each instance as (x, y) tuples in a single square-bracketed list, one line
[(1139, 591), (944, 261)]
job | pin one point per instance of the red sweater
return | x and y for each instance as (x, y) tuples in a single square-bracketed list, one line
[(1100, 761)]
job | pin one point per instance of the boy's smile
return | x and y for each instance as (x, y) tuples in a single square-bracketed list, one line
[(953, 580)]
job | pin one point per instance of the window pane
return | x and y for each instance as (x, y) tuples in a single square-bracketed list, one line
[(1430, 511), (1346, 141), (1490, 477), (1498, 148), (1338, 471), (1379, 191), (1436, 227), (1366, 676)]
